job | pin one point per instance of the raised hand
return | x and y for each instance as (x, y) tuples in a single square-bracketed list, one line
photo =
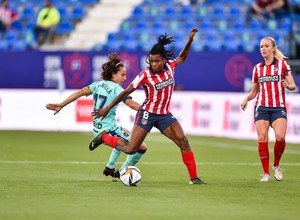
[(193, 32)]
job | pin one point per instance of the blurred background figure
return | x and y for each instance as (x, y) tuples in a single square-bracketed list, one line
[(7, 16), (47, 21), (268, 9)]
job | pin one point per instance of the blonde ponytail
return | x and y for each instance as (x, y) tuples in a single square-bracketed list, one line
[(279, 55)]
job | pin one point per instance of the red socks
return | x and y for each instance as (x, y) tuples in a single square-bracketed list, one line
[(189, 161), (110, 140), (278, 151), (263, 152)]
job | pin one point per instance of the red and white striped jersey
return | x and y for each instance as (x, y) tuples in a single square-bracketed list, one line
[(271, 92), (158, 88)]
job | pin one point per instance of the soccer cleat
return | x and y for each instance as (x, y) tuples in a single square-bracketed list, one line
[(277, 173), (108, 171), (197, 181), (265, 178), (96, 141), (116, 174)]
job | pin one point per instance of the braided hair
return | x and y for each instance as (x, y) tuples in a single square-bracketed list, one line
[(112, 66), (159, 48)]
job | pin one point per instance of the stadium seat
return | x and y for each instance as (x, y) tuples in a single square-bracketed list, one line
[(12, 36), (218, 12), (113, 45), (64, 14), (239, 25), (286, 24), (272, 24), (138, 11), (4, 45), (250, 46), (222, 25), (222, 21), (112, 37), (235, 12), (77, 13), (28, 13), (190, 23), (174, 25), (153, 11), (17, 25), (130, 45), (170, 10), (64, 27), (19, 45), (89, 2), (126, 25), (127, 36), (29, 38), (255, 25), (186, 11), (141, 25), (30, 24), (201, 11), (206, 24), (158, 24)]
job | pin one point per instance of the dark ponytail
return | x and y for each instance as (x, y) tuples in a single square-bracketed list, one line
[(112, 66), (159, 48)]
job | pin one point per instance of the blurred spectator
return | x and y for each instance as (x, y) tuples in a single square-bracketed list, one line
[(47, 21), (268, 9), (7, 16)]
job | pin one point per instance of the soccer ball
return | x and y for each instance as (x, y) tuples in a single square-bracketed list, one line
[(130, 176)]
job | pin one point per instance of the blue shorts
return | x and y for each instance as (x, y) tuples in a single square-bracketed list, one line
[(269, 113), (149, 120)]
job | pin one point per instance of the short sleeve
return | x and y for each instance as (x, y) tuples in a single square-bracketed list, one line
[(286, 69), (255, 75), (138, 80)]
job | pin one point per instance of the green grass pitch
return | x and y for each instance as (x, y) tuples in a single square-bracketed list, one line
[(53, 175)]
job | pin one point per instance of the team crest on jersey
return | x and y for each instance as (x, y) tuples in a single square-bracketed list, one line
[(276, 68)]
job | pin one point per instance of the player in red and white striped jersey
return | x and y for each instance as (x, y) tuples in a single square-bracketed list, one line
[(158, 83), (270, 79)]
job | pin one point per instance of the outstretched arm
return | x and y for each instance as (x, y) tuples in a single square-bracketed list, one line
[(56, 107), (132, 104), (103, 112), (185, 51)]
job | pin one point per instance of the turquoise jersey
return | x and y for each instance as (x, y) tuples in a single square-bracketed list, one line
[(104, 92)]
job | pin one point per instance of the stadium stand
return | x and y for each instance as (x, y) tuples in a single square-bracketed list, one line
[(222, 26), (99, 25), (72, 12)]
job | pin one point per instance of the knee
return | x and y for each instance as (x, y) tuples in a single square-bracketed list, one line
[(143, 147), (182, 142), (130, 151), (262, 138), (280, 138)]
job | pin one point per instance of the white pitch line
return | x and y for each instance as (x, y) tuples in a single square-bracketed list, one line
[(143, 163), (217, 144)]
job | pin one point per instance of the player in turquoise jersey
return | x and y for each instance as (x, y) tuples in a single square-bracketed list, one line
[(104, 92)]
